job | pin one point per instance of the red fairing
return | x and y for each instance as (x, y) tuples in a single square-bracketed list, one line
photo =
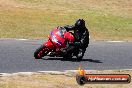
[(69, 37), (56, 36), (49, 44)]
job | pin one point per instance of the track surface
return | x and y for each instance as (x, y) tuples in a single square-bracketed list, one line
[(17, 56)]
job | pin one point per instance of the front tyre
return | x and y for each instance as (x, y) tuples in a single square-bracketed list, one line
[(40, 52)]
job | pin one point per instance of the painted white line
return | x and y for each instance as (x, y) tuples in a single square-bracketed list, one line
[(22, 39), (52, 72), (115, 41), (59, 72), (23, 73)]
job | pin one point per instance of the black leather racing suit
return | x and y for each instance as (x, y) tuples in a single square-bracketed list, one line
[(81, 35)]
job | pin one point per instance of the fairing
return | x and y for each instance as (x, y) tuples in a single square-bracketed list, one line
[(58, 39), (56, 36)]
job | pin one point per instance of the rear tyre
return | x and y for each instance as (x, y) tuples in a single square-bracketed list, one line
[(80, 54), (68, 56), (40, 52)]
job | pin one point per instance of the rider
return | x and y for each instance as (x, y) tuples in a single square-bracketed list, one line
[(81, 33)]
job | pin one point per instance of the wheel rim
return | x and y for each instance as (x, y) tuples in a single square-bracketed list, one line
[(42, 53)]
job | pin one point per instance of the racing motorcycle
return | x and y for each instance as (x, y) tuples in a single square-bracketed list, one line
[(58, 41)]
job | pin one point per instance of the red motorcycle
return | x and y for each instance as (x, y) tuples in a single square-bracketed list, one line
[(57, 42)]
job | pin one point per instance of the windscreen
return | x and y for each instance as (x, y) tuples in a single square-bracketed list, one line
[(57, 36)]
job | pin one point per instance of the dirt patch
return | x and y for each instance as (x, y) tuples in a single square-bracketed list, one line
[(44, 80)]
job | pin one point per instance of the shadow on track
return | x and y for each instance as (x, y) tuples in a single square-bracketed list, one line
[(75, 60)]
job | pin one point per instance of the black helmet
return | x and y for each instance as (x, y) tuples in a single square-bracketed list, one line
[(80, 24)]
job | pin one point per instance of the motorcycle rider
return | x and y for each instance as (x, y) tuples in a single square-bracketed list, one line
[(81, 34)]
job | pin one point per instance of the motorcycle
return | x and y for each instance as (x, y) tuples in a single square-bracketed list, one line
[(58, 41)]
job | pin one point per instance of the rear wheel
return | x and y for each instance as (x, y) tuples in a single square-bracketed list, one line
[(68, 55), (40, 52), (80, 54)]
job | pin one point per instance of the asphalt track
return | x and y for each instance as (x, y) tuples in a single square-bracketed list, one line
[(17, 56)]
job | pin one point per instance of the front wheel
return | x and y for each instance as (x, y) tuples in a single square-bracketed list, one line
[(40, 52)]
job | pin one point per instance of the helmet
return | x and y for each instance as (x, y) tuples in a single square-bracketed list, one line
[(80, 24)]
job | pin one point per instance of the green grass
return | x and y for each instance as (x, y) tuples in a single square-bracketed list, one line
[(38, 17)]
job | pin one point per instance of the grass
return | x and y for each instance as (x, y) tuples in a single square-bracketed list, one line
[(36, 18), (41, 80)]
